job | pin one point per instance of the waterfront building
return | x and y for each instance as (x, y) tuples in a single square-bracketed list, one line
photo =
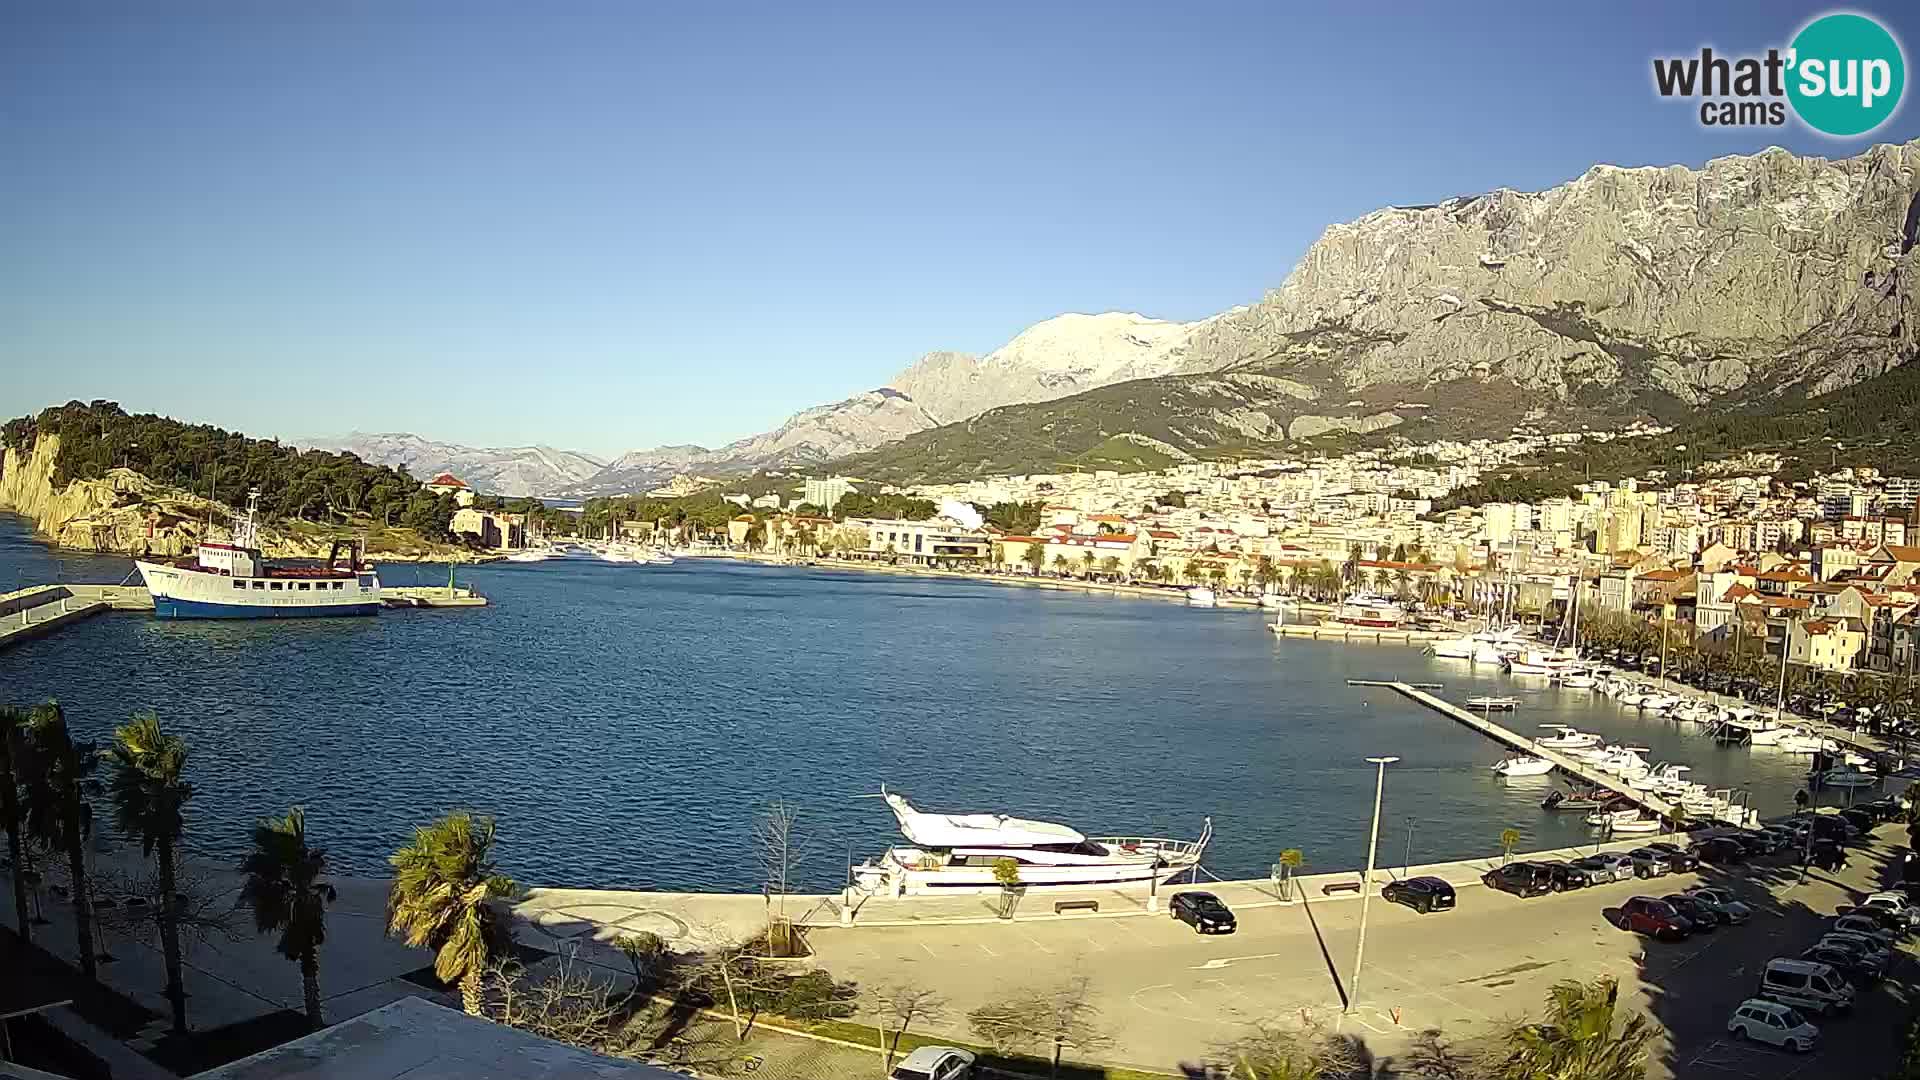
[(1827, 644), (448, 484), (491, 529), (937, 539), (826, 494)]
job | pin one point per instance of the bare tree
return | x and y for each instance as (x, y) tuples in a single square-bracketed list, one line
[(205, 906), (1056, 1018), (1307, 1051), (733, 970), (780, 856), (898, 1005), (647, 952), (568, 1003)]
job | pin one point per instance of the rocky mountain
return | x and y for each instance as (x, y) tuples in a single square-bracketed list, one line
[(1627, 292), (1062, 356), (519, 470)]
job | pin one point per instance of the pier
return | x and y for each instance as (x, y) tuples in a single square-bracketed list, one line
[(430, 596), (1384, 635), (42, 609), (1572, 766)]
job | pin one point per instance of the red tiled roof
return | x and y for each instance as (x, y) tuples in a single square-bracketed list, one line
[(1784, 575), (1904, 552), (447, 479), (1163, 534)]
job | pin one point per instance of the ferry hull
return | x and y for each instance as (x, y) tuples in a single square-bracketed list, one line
[(167, 607)]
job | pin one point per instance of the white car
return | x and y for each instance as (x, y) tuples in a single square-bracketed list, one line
[(935, 1063), (1896, 903), (1772, 1023)]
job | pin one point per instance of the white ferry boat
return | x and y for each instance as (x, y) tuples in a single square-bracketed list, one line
[(958, 851), (233, 580)]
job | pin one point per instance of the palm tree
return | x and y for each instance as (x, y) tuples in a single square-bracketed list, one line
[(149, 790), (1578, 1038), (1110, 566), (1060, 564), (284, 889), (441, 899), (1086, 564), (12, 721), (59, 776)]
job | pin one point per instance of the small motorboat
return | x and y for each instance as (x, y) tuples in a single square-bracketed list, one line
[(1567, 738), (1459, 648), (1560, 800), (1496, 704), (1635, 825), (1578, 680), (1847, 778), (1199, 596), (1611, 817), (1523, 765)]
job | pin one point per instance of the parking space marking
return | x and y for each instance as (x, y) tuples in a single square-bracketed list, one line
[(1036, 944), (985, 949)]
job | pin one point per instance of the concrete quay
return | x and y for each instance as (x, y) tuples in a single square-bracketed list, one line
[(430, 596), (1365, 634), (41, 609)]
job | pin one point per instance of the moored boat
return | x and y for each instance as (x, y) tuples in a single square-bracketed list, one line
[(235, 581), (1497, 704), (1366, 609), (960, 851), (1200, 596), (1522, 765)]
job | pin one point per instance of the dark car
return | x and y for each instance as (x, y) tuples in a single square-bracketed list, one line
[(1855, 965), (1563, 876), (1678, 858), (1203, 911), (1719, 851), (1696, 911), (1832, 827), (1423, 894), (1650, 916), (1520, 878), (1859, 819), (1827, 855)]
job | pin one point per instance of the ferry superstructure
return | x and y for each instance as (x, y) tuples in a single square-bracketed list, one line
[(234, 581)]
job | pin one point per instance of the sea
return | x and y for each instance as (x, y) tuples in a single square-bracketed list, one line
[(629, 725)]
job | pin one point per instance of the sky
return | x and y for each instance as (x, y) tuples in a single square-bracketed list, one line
[(604, 226)]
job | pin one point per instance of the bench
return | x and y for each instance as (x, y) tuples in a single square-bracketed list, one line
[(1061, 907), (1338, 887)]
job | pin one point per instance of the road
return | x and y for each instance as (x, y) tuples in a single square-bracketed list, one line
[(1168, 995)]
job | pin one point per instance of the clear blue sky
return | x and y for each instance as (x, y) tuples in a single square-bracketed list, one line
[(605, 226)]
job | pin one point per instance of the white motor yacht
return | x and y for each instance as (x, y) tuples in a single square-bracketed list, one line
[(1200, 596), (1458, 648), (959, 851), (1800, 741), (1567, 738), (1523, 765), (1486, 652)]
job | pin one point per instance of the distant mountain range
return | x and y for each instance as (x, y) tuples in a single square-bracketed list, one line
[(1626, 293), (519, 470)]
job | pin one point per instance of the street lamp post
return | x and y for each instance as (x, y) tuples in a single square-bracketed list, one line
[(1366, 883)]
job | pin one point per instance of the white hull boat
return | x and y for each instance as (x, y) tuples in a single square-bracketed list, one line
[(1612, 817), (1847, 778), (1460, 648), (1569, 739), (1523, 766), (1494, 704), (1635, 826), (1201, 597), (958, 852)]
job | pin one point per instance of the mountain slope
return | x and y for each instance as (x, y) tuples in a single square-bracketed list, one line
[(1051, 359), (520, 470), (1625, 293)]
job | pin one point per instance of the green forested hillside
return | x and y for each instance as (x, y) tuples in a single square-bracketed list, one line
[(312, 485)]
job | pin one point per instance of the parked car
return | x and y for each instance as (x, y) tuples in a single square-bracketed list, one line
[(1806, 984), (1723, 903), (1774, 1024), (1866, 926), (1203, 911), (1858, 967), (1832, 827), (1697, 911), (1522, 879), (1650, 916), (1719, 851), (1827, 855), (1677, 857), (935, 1063), (1562, 876), (1598, 871), (1859, 819), (1648, 863), (1621, 863), (1895, 903), (1423, 894), (1871, 947)]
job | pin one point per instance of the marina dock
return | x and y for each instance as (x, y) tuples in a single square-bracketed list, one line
[(431, 596), (1572, 766), (1384, 635), (41, 609)]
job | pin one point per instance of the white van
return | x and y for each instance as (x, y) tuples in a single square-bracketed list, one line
[(1805, 984)]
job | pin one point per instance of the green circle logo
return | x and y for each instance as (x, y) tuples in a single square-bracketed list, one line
[(1847, 74)]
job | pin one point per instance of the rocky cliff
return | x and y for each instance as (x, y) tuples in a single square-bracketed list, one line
[(1618, 289), (125, 513)]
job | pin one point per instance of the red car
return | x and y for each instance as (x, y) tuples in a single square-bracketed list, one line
[(1650, 916)]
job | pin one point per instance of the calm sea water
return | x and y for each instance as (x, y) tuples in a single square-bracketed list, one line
[(626, 724)]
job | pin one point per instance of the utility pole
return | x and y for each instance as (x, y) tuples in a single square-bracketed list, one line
[(1366, 883)]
